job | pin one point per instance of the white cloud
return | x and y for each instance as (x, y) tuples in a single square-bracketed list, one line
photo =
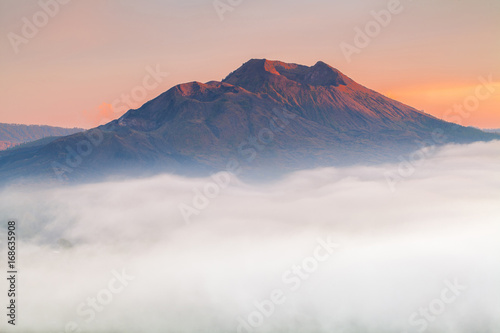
[(396, 250)]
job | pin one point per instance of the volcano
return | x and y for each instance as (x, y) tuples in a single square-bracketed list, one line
[(266, 118)]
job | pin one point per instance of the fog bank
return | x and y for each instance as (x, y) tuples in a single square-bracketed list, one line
[(326, 250)]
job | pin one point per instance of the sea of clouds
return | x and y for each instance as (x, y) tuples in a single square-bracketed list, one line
[(326, 250)]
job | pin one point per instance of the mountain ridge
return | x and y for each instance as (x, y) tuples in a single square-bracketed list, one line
[(14, 134)]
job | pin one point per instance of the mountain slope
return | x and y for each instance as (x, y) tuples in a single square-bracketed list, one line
[(266, 117)]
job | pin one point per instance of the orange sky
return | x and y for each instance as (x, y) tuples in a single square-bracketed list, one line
[(91, 60)]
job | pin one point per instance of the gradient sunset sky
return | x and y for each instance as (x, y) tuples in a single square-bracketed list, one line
[(431, 55)]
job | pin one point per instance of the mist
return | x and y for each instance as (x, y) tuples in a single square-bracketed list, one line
[(324, 250)]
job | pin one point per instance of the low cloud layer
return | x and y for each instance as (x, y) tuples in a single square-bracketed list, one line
[(327, 250)]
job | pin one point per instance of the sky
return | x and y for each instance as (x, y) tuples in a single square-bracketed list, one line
[(349, 251), (83, 63)]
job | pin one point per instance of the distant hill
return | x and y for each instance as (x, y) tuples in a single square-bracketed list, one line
[(265, 118), (493, 130), (14, 134)]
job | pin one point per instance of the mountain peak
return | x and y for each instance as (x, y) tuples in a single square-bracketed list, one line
[(270, 66), (256, 71), (322, 74)]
